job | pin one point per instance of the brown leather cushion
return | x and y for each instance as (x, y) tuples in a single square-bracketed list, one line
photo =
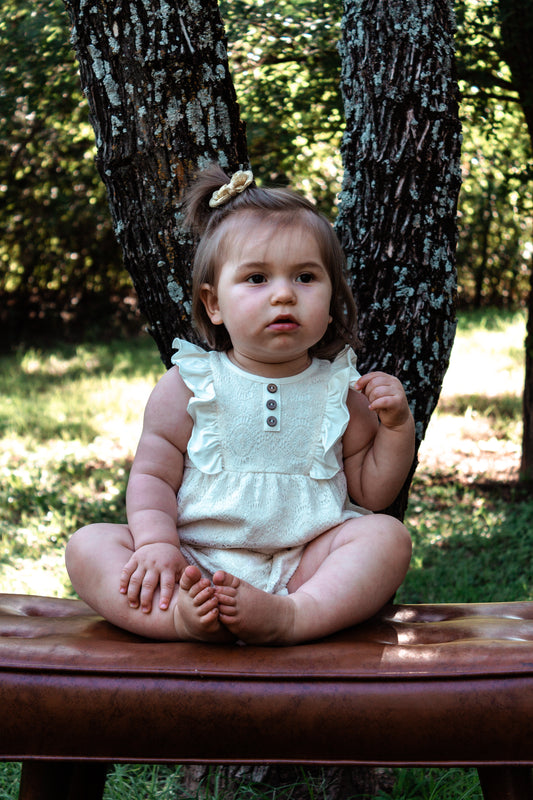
[(416, 684)]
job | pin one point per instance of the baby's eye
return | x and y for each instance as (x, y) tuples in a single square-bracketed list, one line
[(305, 277), (256, 278)]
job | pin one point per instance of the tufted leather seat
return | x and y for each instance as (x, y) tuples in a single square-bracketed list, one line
[(416, 685)]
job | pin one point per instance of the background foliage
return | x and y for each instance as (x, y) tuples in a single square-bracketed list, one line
[(494, 249), (57, 248), (59, 263)]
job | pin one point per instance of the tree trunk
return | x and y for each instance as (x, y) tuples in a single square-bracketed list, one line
[(288, 782), (162, 104), (397, 219), (526, 464), (516, 18)]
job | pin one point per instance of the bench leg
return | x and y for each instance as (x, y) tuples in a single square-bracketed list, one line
[(506, 783), (62, 780)]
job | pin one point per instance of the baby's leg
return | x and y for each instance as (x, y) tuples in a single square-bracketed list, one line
[(345, 576), (95, 558), (350, 572)]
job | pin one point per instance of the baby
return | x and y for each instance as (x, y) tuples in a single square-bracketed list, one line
[(261, 461)]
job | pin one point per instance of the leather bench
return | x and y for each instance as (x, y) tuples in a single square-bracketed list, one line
[(416, 685)]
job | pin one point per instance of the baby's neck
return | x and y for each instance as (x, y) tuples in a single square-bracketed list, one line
[(282, 369)]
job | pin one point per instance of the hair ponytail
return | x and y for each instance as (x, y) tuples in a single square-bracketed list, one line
[(198, 211)]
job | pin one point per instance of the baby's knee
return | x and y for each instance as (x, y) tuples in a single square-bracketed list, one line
[(403, 541), (397, 536), (77, 545), (89, 543)]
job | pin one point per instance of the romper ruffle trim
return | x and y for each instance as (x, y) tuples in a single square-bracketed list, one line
[(194, 364), (344, 376), (204, 447)]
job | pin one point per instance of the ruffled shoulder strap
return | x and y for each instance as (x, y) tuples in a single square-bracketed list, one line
[(195, 368), (343, 376)]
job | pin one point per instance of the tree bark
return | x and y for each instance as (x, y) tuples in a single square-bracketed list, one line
[(526, 463), (397, 219), (162, 105), (288, 782)]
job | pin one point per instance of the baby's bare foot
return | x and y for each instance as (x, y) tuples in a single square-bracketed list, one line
[(196, 614), (252, 615)]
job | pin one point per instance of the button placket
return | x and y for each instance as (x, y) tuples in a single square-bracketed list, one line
[(271, 407)]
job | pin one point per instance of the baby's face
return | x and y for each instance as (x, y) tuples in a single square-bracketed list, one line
[(273, 294)]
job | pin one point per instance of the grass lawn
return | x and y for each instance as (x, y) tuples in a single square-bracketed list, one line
[(69, 422)]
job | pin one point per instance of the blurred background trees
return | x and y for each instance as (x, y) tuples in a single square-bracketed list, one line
[(56, 244), (60, 268)]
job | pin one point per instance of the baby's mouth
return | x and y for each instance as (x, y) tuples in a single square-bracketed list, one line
[(284, 323)]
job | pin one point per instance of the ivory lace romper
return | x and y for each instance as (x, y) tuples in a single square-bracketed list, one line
[(263, 470)]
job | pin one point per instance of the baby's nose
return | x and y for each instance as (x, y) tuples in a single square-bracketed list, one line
[(282, 291)]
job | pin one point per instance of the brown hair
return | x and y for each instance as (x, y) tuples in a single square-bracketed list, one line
[(277, 207)]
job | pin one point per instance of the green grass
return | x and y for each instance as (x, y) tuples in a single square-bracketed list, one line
[(463, 537), (69, 422)]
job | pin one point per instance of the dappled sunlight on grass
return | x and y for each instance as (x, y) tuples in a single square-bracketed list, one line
[(82, 393), (118, 410), (472, 541), (47, 491), (70, 422), (487, 359), (471, 445), (470, 519), (476, 428), (46, 577)]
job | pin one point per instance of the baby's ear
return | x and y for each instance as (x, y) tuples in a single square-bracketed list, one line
[(209, 298)]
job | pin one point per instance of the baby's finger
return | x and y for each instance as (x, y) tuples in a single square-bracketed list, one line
[(370, 376), (167, 584), (369, 384), (363, 381), (125, 576), (376, 389), (134, 587), (149, 585), (381, 402)]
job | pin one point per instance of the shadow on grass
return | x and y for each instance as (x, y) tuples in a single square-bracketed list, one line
[(472, 543), (35, 385), (130, 358)]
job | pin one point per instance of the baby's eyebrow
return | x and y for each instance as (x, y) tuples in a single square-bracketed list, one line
[(248, 268), (248, 265), (245, 266), (310, 265)]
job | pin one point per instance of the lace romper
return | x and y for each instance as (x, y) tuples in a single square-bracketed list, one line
[(263, 471)]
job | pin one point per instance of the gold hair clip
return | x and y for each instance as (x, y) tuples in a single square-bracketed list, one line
[(239, 182)]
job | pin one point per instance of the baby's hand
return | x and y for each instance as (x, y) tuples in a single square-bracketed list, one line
[(152, 565), (386, 397)]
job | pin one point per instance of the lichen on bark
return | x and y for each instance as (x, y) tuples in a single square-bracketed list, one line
[(162, 105), (397, 217)]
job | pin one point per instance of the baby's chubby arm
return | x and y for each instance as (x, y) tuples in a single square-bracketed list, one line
[(151, 505), (379, 443)]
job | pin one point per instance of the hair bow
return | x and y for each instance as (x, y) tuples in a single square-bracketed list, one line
[(239, 182)]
